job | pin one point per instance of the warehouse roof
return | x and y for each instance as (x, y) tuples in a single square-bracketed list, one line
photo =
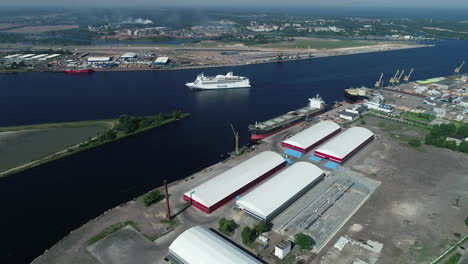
[(344, 143), (161, 60), (223, 185), (313, 134), (128, 55), (199, 245), (273, 193)]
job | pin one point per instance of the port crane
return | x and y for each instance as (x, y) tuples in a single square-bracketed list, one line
[(397, 81), (393, 79), (236, 136), (457, 69), (406, 79), (377, 84)]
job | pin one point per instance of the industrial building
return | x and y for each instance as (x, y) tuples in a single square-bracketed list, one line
[(312, 136), (99, 59), (345, 144), (275, 194), (161, 61), (128, 56), (199, 245), (214, 193)]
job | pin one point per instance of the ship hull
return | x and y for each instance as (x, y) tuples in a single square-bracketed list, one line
[(78, 71), (217, 86), (259, 135), (355, 98)]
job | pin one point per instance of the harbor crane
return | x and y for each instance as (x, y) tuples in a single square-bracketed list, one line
[(406, 79), (377, 83), (393, 79), (397, 81), (236, 135), (457, 69)]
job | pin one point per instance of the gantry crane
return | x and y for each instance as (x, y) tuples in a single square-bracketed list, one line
[(393, 79), (457, 70), (397, 81), (406, 79), (377, 84)]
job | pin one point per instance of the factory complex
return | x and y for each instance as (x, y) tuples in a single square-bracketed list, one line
[(272, 196), (199, 245)]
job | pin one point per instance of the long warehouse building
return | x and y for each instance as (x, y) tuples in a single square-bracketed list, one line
[(274, 195), (312, 136), (214, 193), (199, 245), (345, 144)]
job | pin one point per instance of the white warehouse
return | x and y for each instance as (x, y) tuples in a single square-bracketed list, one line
[(312, 136), (274, 195), (199, 245), (219, 190), (345, 144)]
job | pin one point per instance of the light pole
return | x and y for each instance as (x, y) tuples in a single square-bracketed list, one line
[(191, 197)]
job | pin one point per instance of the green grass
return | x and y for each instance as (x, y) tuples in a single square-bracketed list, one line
[(418, 117), (92, 143), (106, 123), (299, 43), (454, 259), (111, 229), (172, 223)]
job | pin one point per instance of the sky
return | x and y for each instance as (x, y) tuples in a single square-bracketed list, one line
[(241, 3)]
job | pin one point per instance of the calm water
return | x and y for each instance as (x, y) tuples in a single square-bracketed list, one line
[(42, 205)]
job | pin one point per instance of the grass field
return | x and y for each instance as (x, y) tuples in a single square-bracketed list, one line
[(301, 43), (17, 148), (304, 43), (40, 29), (24, 147)]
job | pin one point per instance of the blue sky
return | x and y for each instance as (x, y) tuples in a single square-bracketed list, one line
[(245, 3)]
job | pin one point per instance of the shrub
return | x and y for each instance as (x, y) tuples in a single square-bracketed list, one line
[(303, 241), (247, 236), (152, 197), (262, 227), (414, 142), (226, 226)]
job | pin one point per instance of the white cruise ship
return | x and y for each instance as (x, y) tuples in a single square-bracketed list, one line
[(227, 81)]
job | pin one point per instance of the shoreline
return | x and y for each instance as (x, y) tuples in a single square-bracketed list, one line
[(77, 148), (322, 53)]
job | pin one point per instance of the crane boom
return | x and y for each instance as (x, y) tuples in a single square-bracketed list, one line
[(399, 77), (457, 70), (394, 78), (377, 84), (406, 79)]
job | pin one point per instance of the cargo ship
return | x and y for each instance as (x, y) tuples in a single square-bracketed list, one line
[(261, 130), (228, 81), (78, 71), (355, 94)]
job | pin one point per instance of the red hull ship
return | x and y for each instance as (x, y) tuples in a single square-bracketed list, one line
[(79, 71), (267, 128)]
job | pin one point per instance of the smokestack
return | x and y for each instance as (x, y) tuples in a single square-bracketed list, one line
[(168, 209)]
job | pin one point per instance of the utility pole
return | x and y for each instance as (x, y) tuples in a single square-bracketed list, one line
[(168, 209), (236, 135)]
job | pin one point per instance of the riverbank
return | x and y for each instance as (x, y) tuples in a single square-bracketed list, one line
[(220, 55), (109, 134)]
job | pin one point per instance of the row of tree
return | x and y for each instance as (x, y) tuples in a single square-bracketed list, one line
[(439, 133), (130, 124)]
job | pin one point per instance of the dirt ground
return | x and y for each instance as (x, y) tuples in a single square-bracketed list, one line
[(413, 212)]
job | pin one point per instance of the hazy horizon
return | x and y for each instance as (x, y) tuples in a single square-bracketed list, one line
[(242, 3)]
